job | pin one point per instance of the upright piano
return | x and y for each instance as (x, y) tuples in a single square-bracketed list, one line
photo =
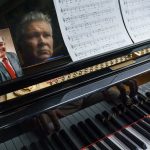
[(109, 124)]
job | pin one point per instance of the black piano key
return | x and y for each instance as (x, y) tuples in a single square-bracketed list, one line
[(44, 145), (135, 100), (141, 131), (68, 139), (126, 118), (95, 128), (90, 134), (86, 117), (66, 125), (99, 132), (134, 139), (115, 110), (101, 145), (148, 103), (24, 148), (147, 120), (138, 112), (128, 134), (91, 147), (129, 120), (141, 98), (105, 122), (84, 129), (144, 125), (80, 135), (132, 115), (41, 139), (147, 94), (108, 125), (118, 135), (35, 141), (121, 108), (34, 146), (135, 118), (87, 131), (145, 108), (125, 141), (106, 115), (58, 141), (111, 144), (116, 123), (136, 127)]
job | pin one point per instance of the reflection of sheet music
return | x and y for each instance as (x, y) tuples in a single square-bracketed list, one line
[(136, 14), (91, 27)]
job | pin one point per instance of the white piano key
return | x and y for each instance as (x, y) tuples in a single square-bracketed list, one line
[(103, 128), (75, 118), (65, 126), (139, 148), (10, 145), (2, 146), (140, 136), (95, 146), (33, 139), (121, 145), (92, 111), (25, 140), (18, 144), (105, 144), (67, 123), (106, 108)]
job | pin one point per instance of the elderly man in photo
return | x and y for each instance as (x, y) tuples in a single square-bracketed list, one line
[(9, 64)]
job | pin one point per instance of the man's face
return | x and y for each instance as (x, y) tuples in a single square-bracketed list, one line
[(39, 40), (2, 50)]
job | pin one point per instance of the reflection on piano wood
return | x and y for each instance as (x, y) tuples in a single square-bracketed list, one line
[(113, 64), (104, 126)]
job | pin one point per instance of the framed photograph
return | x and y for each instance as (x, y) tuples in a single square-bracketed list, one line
[(9, 63)]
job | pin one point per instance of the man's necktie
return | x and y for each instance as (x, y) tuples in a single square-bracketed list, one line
[(9, 68)]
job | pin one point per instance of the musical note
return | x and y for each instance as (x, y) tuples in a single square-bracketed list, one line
[(91, 27), (136, 16)]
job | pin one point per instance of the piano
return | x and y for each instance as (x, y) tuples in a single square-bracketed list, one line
[(110, 124), (104, 125)]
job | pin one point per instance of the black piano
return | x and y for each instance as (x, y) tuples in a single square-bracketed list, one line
[(108, 124)]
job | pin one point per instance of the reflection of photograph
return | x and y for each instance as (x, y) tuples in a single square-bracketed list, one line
[(36, 38), (36, 32), (9, 63)]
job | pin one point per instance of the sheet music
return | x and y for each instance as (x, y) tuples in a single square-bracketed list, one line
[(91, 27), (136, 14)]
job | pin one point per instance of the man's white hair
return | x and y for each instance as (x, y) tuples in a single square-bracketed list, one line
[(27, 19)]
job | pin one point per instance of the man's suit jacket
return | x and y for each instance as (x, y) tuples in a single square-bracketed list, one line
[(13, 59)]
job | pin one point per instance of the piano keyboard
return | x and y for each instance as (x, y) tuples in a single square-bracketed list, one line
[(98, 127)]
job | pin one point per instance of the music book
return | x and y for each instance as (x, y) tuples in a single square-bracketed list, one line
[(95, 27)]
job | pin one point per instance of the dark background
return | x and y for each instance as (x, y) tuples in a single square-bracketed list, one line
[(11, 13)]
